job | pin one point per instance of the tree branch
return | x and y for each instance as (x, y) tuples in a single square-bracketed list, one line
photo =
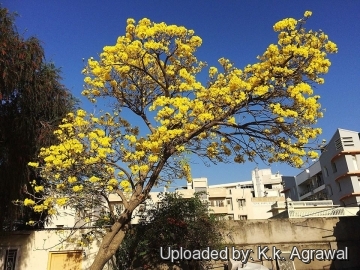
[(123, 198)]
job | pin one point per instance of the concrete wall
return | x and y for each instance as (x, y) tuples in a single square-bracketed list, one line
[(305, 234), (311, 233)]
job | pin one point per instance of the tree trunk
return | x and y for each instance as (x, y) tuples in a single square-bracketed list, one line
[(109, 245), (114, 237)]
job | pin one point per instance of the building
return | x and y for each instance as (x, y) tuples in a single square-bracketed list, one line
[(334, 176), (234, 201)]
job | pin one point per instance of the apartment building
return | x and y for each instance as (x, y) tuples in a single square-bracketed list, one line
[(235, 201), (334, 176), (249, 199)]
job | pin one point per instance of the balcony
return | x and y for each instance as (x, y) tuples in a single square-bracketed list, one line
[(310, 190), (218, 209), (217, 192)]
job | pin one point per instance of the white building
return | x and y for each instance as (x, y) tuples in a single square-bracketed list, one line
[(335, 176)]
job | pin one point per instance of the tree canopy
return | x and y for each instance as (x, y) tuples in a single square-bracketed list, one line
[(266, 110), (32, 103)]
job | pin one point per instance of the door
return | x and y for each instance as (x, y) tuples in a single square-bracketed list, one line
[(69, 260)]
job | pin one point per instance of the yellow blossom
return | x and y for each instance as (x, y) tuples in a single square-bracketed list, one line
[(28, 202), (39, 188), (307, 13), (77, 188)]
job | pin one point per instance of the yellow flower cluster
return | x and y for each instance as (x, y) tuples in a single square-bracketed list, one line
[(78, 188), (61, 201), (286, 24), (39, 188), (28, 202), (307, 14)]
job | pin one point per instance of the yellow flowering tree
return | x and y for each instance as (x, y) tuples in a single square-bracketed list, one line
[(267, 110)]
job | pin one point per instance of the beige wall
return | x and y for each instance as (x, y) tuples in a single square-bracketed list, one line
[(311, 233), (34, 248)]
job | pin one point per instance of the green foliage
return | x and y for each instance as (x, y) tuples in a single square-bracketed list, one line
[(174, 222), (32, 103)]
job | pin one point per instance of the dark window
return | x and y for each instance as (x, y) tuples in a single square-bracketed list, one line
[(241, 203), (333, 166), (339, 185), (326, 173), (217, 203), (329, 190), (10, 259)]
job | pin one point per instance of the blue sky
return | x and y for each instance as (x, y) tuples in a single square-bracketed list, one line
[(238, 30)]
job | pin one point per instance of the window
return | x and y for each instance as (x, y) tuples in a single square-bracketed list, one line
[(241, 203), (119, 208), (10, 259), (326, 173), (338, 144), (229, 203), (329, 190), (356, 167), (230, 217), (339, 186), (319, 180), (242, 217), (333, 166), (217, 203)]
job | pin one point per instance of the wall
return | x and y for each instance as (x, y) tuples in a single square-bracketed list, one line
[(311, 233), (284, 234), (35, 248)]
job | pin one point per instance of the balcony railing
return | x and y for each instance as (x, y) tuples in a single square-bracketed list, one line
[(300, 204), (218, 210), (303, 213)]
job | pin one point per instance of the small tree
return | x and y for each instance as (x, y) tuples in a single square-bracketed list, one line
[(266, 110), (176, 223)]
